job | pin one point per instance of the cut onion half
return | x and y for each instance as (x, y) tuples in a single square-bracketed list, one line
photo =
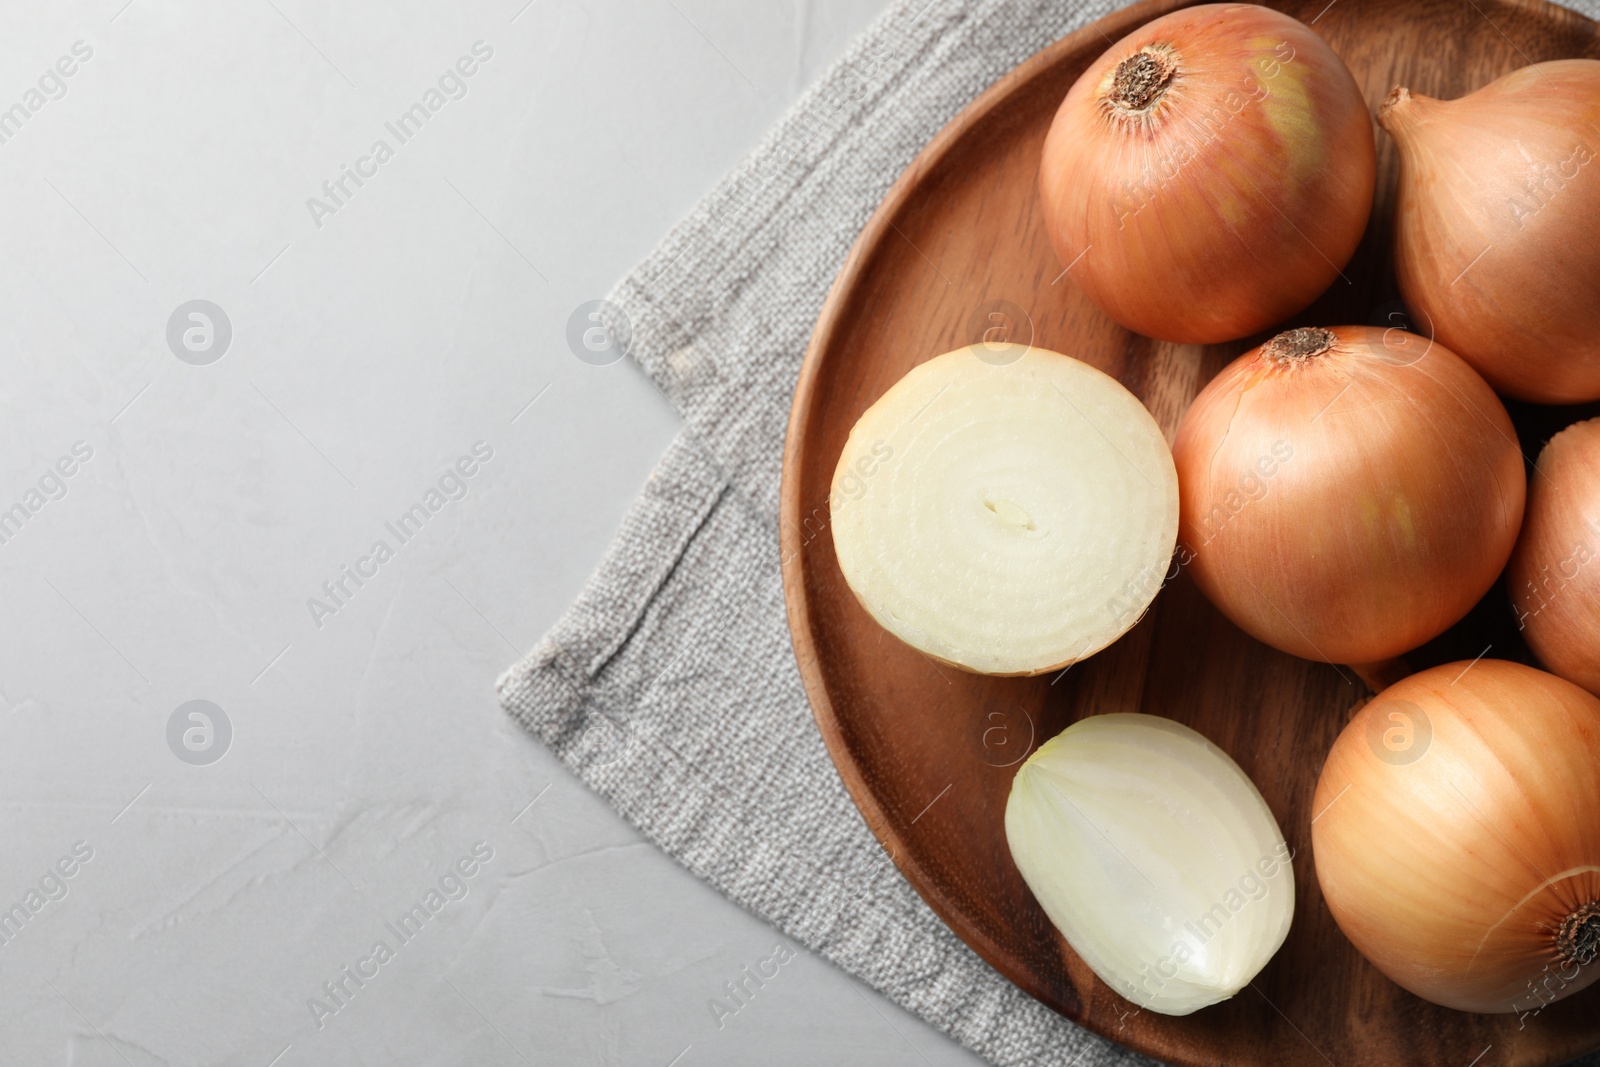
[(1005, 509)]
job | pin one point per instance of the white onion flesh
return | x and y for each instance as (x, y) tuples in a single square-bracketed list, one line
[(1155, 856), (1005, 509)]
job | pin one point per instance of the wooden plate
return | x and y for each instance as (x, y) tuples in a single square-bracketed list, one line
[(928, 751)]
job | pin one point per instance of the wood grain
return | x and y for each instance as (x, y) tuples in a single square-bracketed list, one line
[(928, 752)]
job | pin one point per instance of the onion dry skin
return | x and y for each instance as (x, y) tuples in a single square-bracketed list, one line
[(1210, 174), (1456, 833), (1555, 570), (1497, 226), (1348, 493)]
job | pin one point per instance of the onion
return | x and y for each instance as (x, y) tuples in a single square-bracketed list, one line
[(1457, 835), (1155, 857), (1005, 509), (1348, 494), (1496, 240), (1555, 570), (1210, 174)]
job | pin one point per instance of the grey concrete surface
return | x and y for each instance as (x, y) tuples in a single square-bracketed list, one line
[(347, 854)]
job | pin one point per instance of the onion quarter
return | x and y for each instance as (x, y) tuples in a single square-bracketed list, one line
[(1155, 856)]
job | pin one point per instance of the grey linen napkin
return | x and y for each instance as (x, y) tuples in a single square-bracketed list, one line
[(670, 686)]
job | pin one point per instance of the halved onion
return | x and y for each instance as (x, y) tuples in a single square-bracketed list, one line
[(1155, 856), (1005, 509)]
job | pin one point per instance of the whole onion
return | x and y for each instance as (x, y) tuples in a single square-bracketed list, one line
[(1347, 493), (1555, 570), (1497, 229), (1210, 174), (1456, 833)]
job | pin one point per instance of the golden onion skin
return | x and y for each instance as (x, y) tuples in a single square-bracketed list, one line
[(1554, 578), (1456, 835), (1497, 226), (1233, 197), (1352, 504)]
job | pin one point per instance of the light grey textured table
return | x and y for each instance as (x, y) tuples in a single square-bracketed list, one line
[(216, 537)]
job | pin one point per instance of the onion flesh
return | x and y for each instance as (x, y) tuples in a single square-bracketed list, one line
[(1555, 570), (1496, 240), (1348, 494), (1456, 832), (1005, 509), (1155, 856), (1210, 174)]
